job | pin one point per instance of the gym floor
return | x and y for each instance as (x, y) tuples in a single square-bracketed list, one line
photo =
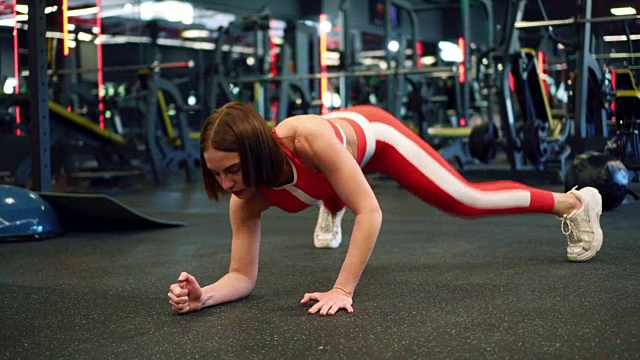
[(436, 287)]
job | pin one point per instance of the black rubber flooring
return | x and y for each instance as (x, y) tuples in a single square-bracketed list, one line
[(436, 287)]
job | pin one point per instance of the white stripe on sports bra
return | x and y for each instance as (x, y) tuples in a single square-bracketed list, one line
[(365, 125), (295, 191)]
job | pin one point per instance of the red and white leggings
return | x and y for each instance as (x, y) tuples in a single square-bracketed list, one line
[(387, 146)]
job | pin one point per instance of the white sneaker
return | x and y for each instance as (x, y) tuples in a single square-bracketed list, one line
[(328, 232), (582, 227)]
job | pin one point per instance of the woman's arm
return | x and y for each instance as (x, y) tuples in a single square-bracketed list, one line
[(318, 140), (245, 246)]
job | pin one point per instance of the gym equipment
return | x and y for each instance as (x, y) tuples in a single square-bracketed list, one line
[(603, 172), (542, 146), (426, 104), (40, 109), (24, 215), (484, 142), (465, 72), (167, 147), (28, 215), (299, 55), (586, 115), (451, 143), (99, 212), (18, 147), (114, 156), (65, 128), (625, 145), (539, 146), (625, 80), (572, 21), (440, 71), (222, 72), (537, 137), (84, 138), (122, 68), (626, 142)]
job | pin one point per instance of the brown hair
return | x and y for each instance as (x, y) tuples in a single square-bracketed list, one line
[(237, 127)]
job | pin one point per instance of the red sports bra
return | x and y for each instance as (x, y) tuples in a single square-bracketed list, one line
[(307, 188)]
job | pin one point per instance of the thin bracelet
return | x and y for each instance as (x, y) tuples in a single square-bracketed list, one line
[(343, 290)]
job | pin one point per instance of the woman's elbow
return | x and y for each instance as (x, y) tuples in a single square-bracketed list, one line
[(251, 280), (377, 213), (374, 213), (248, 284), (245, 278)]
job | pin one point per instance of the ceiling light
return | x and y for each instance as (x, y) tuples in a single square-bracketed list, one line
[(11, 22), (83, 12), (612, 38), (450, 52), (195, 33), (621, 11), (23, 9), (83, 36), (170, 10), (393, 46), (428, 60), (325, 26), (8, 88)]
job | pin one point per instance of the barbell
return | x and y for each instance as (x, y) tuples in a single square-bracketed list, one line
[(121, 68), (443, 71), (571, 21)]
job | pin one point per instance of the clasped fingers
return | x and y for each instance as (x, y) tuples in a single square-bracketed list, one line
[(178, 298)]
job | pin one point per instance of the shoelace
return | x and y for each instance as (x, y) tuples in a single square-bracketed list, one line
[(570, 229)]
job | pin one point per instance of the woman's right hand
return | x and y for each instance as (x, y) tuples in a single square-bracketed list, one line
[(185, 295)]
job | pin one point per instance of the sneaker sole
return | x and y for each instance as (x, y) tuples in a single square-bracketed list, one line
[(594, 218), (331, 243), (326, 244)]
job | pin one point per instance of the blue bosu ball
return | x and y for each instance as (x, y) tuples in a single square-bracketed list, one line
[(24, 215)]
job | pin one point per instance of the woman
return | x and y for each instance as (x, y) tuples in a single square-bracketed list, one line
[(309, 158)]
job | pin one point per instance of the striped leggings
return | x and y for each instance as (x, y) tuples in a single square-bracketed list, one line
[(387, 146)]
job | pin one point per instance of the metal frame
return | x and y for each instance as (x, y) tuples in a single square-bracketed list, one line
[(586, 67), (510, 45), (442, 71), (466, 35), (465, 90), (572, 21), (40, 142), (582, 68)]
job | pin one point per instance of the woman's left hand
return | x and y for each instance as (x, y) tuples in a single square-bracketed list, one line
[(328, 303)]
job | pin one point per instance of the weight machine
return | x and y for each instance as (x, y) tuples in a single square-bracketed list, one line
[(533, 139), (625, 144), (221, 72), (298, 56)]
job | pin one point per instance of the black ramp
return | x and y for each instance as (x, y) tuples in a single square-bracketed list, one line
[(99, 212)]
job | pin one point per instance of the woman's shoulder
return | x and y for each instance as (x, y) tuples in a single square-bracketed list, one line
[(301, 125), (251, 206)]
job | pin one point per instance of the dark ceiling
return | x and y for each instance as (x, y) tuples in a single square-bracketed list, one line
[(555, 9), (560, 9), (211, 13)]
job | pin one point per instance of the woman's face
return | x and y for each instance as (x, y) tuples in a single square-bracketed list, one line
[(227, 169)]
